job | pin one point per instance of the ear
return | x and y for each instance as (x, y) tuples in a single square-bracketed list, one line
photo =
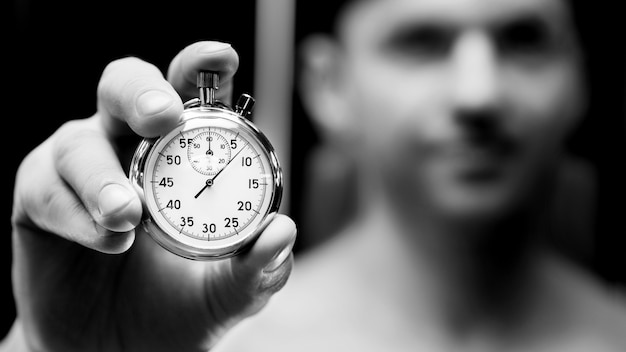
[(321, 85)]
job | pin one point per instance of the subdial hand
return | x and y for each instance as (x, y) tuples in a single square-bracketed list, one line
[(209, 183)]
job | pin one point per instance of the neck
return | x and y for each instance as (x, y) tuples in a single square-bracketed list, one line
[(464, 275)]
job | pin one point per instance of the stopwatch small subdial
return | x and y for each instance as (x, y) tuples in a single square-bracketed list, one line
[(208, 153)]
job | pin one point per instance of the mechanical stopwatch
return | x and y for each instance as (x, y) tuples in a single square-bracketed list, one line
[(210, 185)]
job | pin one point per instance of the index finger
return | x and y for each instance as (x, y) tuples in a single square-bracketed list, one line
[(134, 92)]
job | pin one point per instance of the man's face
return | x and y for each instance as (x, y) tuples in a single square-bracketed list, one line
[(460, 105)]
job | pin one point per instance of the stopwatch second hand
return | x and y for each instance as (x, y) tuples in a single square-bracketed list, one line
[(208, 183), (229, 161)]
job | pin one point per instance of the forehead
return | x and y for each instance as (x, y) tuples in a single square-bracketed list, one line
[(370, 18)]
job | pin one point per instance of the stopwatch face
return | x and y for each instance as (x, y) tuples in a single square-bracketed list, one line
[(210, 186)]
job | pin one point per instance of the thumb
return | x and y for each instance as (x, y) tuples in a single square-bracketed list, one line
[(265, 268)]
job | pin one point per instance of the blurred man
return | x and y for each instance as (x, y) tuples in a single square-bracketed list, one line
[(455, 113)]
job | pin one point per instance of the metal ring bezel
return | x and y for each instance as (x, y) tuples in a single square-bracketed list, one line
[(137, 174)]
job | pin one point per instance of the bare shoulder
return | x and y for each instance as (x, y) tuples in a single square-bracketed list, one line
[(322, 308), (594, 310), (608, 320)]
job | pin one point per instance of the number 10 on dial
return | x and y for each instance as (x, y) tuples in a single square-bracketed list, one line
[(210, 185)]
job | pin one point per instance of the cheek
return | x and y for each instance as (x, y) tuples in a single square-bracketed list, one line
[(397, 103), (546, 104)]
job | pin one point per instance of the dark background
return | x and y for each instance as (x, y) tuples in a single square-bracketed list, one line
[(56, 51)]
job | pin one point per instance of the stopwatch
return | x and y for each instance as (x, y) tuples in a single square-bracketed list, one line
[(210, 185)]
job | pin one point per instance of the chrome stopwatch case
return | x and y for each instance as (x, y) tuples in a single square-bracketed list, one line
[(210, 185)]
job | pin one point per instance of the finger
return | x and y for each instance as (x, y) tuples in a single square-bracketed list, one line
[(204, 55), (84, 158), (44, 199), (267, 265), (133, 92)]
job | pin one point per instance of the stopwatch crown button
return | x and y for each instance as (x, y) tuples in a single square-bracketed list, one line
[(207, 83), (208, 79)]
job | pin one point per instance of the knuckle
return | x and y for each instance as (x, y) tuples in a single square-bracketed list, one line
[(128, 67), (134, 86), (112, 70), (121, 64), (122, 76), (35, 165), (73, 142), (36, 205), (23, 194), (70, 138)]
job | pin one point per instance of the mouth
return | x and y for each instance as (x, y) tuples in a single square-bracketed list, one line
[(480, 160)]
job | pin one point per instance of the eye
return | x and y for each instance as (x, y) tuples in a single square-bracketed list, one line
[(424, 41), (529, 36)]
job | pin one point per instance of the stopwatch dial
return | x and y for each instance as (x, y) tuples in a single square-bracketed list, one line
[(208, 152), (210, 184)]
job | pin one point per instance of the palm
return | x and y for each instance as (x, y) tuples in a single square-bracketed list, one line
[(144, 298)]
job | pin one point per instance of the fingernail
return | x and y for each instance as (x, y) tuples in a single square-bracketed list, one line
[(280, 257), (153, 102), (212, 47), (112, 199)]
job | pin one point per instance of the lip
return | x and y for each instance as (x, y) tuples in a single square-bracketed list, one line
[(479, 158), (475, 155)]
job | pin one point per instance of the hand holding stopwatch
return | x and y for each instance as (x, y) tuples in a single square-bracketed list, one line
[(222, 218)]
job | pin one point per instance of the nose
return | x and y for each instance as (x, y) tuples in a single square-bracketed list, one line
[(475, 82)]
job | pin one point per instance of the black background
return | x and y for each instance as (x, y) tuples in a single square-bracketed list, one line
[(58, 50), (55, 52)]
